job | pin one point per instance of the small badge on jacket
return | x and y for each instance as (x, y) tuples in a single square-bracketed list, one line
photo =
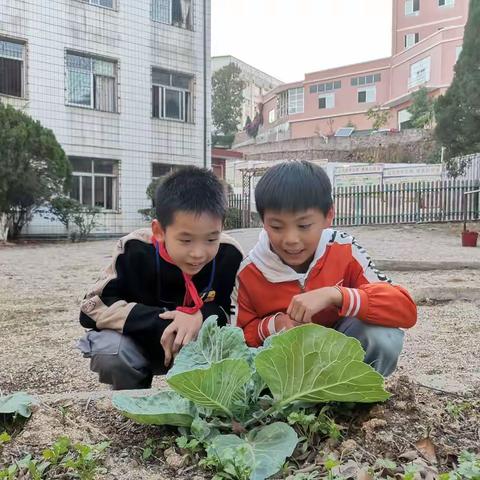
[(209, 296)]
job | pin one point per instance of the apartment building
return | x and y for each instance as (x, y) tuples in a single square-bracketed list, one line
[(427, 37), (257, 84), (122, 83)]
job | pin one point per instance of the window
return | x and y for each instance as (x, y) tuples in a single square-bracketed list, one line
[(411, 39), (326, 87), (419, 72), (295, 100), (173, 12), (11, 68), (271, 116), (403, 119), (446, 3), (326, 101), (412, 7), (171, 95), (95, 182), (101, 3), (161, 169), (458, 51), (282, 104), (366, 80), (91, 82), (367, 95)]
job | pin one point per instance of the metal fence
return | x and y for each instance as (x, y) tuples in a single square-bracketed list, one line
[(440, 201), (238, 214)]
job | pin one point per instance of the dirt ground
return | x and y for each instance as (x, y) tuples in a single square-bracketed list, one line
[(41, 284), (40, 287)]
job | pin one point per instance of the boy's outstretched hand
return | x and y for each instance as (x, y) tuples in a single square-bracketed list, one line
[(305, 305), (181, 331)]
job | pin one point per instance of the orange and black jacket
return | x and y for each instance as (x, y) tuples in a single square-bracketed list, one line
[(265, 286), (138, 285)]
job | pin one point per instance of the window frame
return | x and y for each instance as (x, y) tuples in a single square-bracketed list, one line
[(171, 21), (410, 7), (92, 175), (416, 39), (327, 96), (446, 4), (91, 2), (366, 90), (361, 80), (162, 88), (92, 57), (299, 93), (282, 104), (325, 87), (458, 51), (23, 66), (272, 118)]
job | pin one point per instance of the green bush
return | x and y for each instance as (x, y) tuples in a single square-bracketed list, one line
[(69, 211), (233, 219)]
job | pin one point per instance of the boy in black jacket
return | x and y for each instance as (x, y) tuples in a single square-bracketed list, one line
[(162, 283)]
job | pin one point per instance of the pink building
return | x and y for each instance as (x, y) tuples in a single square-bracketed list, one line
[(427, 37)]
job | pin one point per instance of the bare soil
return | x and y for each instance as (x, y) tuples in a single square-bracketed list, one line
[(436, 387)]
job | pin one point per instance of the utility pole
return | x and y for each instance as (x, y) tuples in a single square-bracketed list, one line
[(205, 63)]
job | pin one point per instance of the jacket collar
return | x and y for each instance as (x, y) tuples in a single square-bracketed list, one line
[(272, 267)]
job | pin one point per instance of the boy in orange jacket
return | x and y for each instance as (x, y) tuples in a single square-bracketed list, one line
[(303, 271)]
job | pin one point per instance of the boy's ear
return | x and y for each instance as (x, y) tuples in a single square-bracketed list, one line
[(330, 216), (158, 231)]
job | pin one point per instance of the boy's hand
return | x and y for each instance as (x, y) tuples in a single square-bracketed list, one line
[(180, 332), (304, 306), (284, 322)]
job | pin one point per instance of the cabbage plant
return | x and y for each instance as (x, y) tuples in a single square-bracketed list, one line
[(218, 381)]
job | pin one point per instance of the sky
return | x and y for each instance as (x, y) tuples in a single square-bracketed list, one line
[(288, 38)]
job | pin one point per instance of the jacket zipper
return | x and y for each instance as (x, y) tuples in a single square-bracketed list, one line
[(302, 284)]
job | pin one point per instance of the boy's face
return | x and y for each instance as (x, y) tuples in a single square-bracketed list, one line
[(191, 240), (294, 236)]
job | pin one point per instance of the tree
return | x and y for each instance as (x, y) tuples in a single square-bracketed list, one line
[(33, 168), (458, 111), (227, 100), (421, 109), (379, 116)]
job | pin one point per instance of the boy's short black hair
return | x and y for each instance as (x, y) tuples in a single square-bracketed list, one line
[(190, 189), (293, 187)]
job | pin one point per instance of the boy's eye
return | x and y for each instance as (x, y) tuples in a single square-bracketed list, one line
[(213, 240), (275, 227), (185, 241), (305, 227)]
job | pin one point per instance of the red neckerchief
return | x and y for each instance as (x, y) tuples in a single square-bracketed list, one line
[(191, 293)]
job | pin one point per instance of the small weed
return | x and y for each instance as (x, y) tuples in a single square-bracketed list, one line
[(191, 446), (455, 410), (149, 449), (310, 425), (64, 411), (85, 460), (410, 470), (5, 438), (468, 468), (233, 465), (57, 451), (80, 461), (330, 464)]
